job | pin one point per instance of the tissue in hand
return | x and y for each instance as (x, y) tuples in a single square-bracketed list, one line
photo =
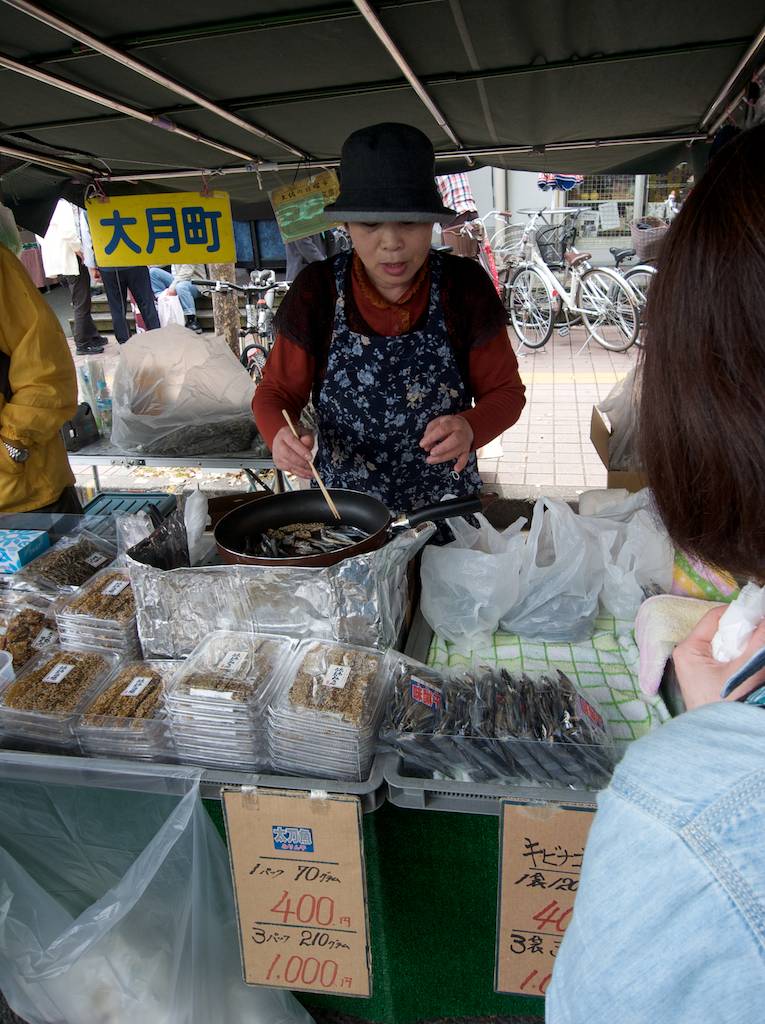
[(737, 624)]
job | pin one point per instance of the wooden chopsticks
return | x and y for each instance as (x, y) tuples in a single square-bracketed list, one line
[(314, 470)]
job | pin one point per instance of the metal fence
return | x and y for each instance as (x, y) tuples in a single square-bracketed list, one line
[(608, 205)]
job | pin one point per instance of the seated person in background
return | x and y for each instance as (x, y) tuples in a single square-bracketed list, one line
[(38, 394), (178, 282), (669, 920)]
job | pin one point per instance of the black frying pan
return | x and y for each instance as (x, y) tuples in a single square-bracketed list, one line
[(238, 532)]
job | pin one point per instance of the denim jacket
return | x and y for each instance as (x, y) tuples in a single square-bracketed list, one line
[(669, 921)]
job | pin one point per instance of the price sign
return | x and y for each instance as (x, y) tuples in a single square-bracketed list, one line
[(299, 208), (542, 849), (299, 881), (609, 216)]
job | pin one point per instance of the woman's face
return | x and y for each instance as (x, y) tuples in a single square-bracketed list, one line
[(392, 252)]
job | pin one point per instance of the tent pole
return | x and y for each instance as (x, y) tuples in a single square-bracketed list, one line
[(722, 96), (48, 161), (124, 59), (382, 34), (121, 108), (713, 129)]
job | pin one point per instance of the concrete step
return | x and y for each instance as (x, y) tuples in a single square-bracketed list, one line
[(103, 321)]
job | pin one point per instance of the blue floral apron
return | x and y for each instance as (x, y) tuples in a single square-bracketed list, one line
[(377, 398)]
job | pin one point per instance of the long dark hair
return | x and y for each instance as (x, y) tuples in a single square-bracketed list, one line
[(702, 415)]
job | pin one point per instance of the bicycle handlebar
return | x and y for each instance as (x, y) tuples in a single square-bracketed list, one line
[(224, 286)]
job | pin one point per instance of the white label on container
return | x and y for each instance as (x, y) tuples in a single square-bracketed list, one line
[(196, 691), (44, 637), (115, 587), (234, 661), (336, 676), (58, 672), (3, 630), (136, 686), (96, 560)]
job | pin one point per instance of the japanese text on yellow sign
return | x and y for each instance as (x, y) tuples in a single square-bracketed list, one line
[(542, 849), (175, 227), (299, 208), (299, 882)]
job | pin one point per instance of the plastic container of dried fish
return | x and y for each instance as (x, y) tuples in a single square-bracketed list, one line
[(25, 628), (124, 735), (216, 703), (43, 702), (324, 717), (104, 602), (67, 565)]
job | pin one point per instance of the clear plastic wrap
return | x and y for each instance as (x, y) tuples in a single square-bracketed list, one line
[(216, 703), (67, 565), (324, 717), (178, 394), (622, 406), (44, 700), (486, 724), (117, 900)]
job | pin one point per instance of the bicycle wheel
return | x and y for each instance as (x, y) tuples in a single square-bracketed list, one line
[(609, 311), (530, 304), (639, 280), (253, 359)]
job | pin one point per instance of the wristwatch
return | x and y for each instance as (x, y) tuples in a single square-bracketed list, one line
[(17, 454)]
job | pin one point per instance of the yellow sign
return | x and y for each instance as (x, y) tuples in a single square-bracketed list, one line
[(299, 882), (172, 227), (541, 849), (299, 208)]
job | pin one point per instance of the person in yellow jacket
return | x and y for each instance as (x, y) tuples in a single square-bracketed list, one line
[(39, 383)]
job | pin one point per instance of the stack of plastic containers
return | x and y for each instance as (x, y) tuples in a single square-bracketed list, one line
[(126, 717), (42, 704), (101, 615), (217, 702), (324, 716)]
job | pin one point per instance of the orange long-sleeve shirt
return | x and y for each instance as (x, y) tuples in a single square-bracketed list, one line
[(475, 321)]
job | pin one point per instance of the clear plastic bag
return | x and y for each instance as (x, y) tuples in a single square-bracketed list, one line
[(468, 585), (180, 393), (117, 903), (622, 406), (562, 575)]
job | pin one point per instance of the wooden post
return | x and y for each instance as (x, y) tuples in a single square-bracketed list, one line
[(226, 306)]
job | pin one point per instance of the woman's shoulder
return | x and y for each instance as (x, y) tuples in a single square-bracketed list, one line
[(462, 272)]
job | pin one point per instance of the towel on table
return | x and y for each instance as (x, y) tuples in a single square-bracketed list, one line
[(662, 622)]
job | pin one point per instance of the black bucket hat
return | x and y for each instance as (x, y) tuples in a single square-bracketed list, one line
[(387, 173)]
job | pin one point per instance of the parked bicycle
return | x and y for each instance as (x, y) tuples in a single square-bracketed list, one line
[(638, 277), (555, 280), (257, 335)]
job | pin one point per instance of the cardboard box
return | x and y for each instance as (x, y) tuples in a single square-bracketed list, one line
[(17, 547), (600, 435)]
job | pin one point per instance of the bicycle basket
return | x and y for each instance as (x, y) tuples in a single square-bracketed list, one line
[(554, 241)]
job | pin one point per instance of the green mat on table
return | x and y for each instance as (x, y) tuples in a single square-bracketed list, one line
[(604, 667)]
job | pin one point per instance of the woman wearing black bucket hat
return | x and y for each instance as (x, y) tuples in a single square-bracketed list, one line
[(404, 350)]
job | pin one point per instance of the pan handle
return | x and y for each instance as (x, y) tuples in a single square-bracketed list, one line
[(443, 510)]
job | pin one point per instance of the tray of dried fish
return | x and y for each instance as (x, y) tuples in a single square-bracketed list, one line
[(216, 703), (484, 723), (43, 702), (297, 540), (67, 565), (323, 719), (25, 628), (126, 716)]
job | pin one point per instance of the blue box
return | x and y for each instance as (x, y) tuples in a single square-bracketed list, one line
[(17, 547)]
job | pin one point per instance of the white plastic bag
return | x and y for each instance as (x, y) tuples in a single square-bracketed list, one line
[(116, 906), (561, 577), (180, 393), (638, 556), (622, 406), (170, 310), (468, 585)]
